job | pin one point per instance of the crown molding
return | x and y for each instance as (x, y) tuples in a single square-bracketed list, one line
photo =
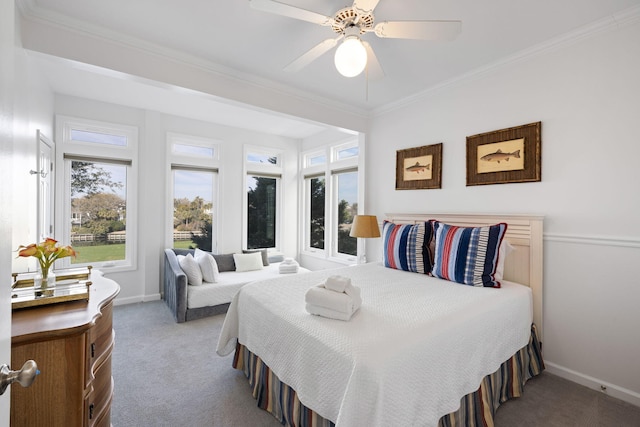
[(32, 12), (611, 23)]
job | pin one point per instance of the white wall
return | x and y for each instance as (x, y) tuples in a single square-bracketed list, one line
[(143, 283), (586, 95), (33, 108)]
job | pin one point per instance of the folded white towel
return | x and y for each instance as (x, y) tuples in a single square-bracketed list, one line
[(337, 283), (288, 266), (338, 301), (327, 312)]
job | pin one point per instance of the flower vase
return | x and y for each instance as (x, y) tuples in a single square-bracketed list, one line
[(45, 279)]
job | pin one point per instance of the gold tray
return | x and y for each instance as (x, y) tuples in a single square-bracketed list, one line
[(71, 285)]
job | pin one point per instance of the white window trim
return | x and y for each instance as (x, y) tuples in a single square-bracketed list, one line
[(97, 152), (206, 164), (329, 169)]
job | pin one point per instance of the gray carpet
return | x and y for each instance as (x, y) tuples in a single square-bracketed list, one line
[(167, 374)]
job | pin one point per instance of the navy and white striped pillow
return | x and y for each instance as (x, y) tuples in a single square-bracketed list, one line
[(468, 255), (406, 246)]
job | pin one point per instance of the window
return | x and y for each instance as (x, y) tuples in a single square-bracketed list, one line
[(328, 235), (262, 216), (193, 195), (346, 206), (193, 164), (98, 209), (315, 158), (316, 191), (263, 158), (343, 152), (261, 211), (99, 188)]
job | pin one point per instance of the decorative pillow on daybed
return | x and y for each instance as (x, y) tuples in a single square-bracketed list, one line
[(225, 262), (468, 255), (263, 252), (248, 262), (191, 268), (208, 266), (406, 246)]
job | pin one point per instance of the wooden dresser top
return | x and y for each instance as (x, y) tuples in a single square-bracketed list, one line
[(66, 318)]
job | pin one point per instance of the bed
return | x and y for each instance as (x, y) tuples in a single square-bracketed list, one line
[(420, 351)]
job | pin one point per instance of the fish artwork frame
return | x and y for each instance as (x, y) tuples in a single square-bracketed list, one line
[(419, 168), (505, 156)]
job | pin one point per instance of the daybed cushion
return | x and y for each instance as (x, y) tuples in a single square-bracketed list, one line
[(208, 266), (191, 268), (210, 294), (263, 252), (225, 262), (248, 262)]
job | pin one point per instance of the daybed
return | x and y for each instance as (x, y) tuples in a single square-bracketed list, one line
[(188, 302), (420, 351)]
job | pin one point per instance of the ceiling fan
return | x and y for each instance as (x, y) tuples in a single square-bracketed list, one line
[(351, 23)]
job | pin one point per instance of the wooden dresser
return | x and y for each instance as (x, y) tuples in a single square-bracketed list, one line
[(71, 343)]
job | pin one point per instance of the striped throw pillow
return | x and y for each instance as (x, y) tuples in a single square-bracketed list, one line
[(468, 255), (406, 246)]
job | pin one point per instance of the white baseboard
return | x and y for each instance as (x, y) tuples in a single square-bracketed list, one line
[(136, 299), (612, 390)]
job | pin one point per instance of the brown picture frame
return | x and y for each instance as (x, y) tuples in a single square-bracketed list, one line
[(505, 156), (412, 164)]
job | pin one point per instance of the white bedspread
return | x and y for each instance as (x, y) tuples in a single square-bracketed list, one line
[(415, 347)]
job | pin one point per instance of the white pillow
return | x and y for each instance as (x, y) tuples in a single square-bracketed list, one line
[(248, 262), (208, 266), (191, 268), (505, 249)]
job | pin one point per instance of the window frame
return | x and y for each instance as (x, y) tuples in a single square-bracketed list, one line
[(334, 216), (70, 151), (181, 161), (266, 170), (330, 170)]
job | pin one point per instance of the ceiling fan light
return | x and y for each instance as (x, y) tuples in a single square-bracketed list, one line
[(351, 57)]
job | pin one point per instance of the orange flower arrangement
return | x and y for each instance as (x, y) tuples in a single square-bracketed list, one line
[(46, 253)]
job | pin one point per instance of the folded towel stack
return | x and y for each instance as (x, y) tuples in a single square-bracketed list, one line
[(336, 298), (288, 266)]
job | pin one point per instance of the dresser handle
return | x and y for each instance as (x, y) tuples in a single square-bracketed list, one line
[(91, 411), (93, 349)]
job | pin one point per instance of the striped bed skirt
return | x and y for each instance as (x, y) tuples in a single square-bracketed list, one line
[(476, 409)]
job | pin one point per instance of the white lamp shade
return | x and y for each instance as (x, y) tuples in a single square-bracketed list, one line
[(351, 57)]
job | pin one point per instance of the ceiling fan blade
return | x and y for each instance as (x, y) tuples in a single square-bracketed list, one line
[(420, 30), (365, 6), (283, 9), (312, 54), (374, 69)]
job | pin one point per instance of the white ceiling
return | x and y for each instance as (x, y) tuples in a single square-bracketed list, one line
[(257, 45)]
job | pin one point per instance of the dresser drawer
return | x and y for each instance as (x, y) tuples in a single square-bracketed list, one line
[(99, 399), (101, 335)]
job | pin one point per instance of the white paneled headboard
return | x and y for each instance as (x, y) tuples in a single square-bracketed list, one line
[(524, 232)]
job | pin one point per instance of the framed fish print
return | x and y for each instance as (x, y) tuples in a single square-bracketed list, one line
[(419, 168), (505, 156)]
